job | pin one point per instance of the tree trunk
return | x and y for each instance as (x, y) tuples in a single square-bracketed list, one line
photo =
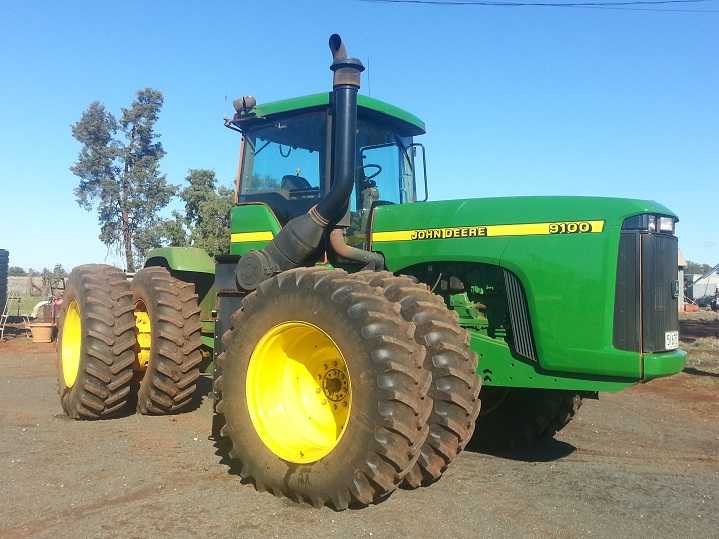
[(127, 240), (126, 236)]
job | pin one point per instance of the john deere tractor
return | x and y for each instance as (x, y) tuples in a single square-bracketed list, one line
[(353, 323)]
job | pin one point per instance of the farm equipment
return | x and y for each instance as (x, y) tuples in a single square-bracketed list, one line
[(352, 325), (709, 298)]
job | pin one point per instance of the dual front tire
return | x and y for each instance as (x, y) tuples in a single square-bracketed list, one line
[(352, 403)]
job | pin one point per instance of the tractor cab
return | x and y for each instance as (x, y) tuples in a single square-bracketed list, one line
[(285, 157)]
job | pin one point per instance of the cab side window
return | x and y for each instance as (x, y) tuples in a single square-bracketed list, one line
[(381, 163)]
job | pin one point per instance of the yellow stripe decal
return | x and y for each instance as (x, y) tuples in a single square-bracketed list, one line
[(240, 237), (478, 231)]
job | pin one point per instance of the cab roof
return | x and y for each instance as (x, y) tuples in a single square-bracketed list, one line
[(406, 123)]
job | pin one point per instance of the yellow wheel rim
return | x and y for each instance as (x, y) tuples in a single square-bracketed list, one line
[(144, 335), (71, 344), (299, 393)]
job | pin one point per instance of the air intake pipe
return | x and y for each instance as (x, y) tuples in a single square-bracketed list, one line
[(299, 242)]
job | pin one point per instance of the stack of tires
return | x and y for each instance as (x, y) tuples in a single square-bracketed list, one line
[(4, 256)]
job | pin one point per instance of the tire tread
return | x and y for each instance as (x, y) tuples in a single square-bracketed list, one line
[(452, 364), (102, 386), (402, 380), (171, 375)]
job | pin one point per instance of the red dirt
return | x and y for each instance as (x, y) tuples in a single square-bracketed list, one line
[(640, 463)]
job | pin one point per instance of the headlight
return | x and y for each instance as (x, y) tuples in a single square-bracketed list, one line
[(652, 223), (666, 224), (645, 222)]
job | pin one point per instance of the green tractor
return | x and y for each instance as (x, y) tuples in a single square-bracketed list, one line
[(354, 328)]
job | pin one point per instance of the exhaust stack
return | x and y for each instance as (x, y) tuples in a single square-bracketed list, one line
[(345, 85), (300, 240)]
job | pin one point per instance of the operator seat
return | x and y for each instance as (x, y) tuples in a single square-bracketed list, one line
[(294, 183), (285, 206)]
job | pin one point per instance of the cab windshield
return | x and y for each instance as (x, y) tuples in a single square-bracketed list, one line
[(283, 164), (286, 165)]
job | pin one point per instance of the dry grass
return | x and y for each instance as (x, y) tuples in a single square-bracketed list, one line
[(27, 303), (699, 333), (700, 315)]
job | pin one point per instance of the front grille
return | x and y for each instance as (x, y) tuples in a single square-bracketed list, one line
[(646, 299), (628, 297), (660, 310), (521, 338)]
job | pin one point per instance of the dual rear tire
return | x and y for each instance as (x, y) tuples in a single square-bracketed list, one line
[(169, 339), (96, 343), (123, 344)]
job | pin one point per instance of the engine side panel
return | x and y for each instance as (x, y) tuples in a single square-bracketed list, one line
[(252, 226), (563, 250)]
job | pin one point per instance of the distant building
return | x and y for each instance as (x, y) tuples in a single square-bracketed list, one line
[(705, 287)]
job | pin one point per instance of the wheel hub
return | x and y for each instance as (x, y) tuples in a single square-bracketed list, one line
[(298, 392), (335, 385)]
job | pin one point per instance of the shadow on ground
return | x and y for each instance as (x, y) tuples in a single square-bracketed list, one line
[(16, 331), (699, 372), (204, 387), (545, 451)]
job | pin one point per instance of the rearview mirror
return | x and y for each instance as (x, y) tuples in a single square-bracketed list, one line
[(413, 148)]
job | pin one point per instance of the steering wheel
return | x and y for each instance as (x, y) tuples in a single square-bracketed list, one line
[(371, 165)]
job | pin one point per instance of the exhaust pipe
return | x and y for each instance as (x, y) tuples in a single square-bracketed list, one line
[(345, 85), (299, 241)]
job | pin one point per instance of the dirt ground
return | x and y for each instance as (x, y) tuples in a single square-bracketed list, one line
[(641, 463)]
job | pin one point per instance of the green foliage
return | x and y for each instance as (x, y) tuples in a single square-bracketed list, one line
[(207, 211), (46, 275), (206, 220), (119, 171), (16, 271), (201, 183), (166, 232), (58, 272)]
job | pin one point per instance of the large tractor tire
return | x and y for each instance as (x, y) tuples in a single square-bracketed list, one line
[(518, 419), (455, 384), (322, 391), (169, 338), (96, 343)]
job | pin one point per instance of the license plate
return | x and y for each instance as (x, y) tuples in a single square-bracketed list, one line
[(671, 340)]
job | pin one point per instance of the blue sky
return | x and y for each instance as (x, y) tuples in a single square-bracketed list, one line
[(518, 101)]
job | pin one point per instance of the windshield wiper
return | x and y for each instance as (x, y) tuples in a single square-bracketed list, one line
[(263, 147)]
